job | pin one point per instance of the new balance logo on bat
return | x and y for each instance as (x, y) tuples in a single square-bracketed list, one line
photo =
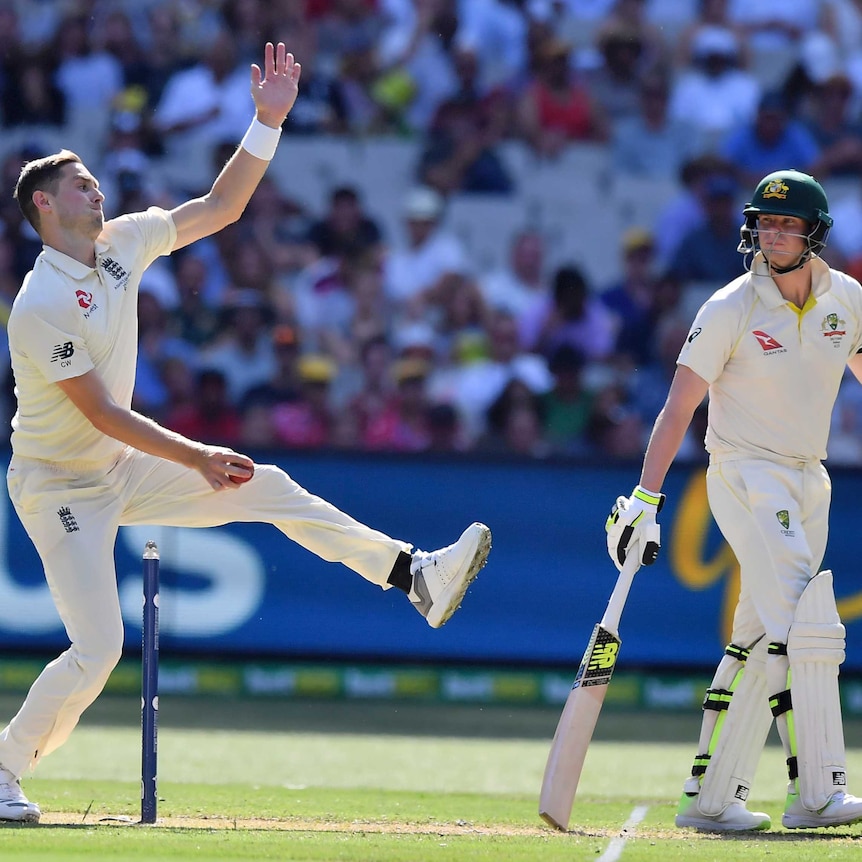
[(604, 656), (599, 659)]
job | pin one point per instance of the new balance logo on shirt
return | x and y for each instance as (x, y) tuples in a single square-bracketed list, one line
[(63, 351)]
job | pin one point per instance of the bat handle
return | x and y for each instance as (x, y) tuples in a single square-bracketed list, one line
[(617, 601)]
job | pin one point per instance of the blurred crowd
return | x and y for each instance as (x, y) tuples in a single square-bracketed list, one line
[(322, 327)]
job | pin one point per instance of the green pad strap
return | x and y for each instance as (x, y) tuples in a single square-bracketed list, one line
[(717, 699), (737, 652), (781, 703), (700, 764)]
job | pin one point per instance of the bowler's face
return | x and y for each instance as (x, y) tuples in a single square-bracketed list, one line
[(78, 201)]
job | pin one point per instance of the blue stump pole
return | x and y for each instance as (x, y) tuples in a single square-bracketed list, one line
[(150, 686)]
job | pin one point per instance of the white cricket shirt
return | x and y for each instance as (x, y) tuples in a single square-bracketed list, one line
[(69, 318), (774, 370)]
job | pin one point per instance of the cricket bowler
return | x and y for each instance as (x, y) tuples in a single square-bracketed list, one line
[(84, 463)]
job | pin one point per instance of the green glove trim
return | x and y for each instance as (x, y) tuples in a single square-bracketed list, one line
[(647, 497)]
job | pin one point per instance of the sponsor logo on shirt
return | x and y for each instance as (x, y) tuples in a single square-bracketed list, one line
[(63, 353), (112, 268), (85, 300), (834, 329), (784, 519), (768, 343), (693, 334)]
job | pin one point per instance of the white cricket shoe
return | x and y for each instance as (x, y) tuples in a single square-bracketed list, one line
[(14, 805), (841, 809), (440, 578), (735, 818)]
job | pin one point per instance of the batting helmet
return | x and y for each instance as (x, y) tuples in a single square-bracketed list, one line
[(788, 193)]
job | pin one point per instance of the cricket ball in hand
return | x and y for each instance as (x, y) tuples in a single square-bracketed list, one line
[(238, 480)]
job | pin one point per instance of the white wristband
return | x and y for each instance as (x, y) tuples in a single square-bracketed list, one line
[(260, 140)]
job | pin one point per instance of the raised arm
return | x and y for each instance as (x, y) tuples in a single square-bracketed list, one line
[(274, 91)]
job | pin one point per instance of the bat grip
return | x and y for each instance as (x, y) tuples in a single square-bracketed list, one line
[(616, 603)]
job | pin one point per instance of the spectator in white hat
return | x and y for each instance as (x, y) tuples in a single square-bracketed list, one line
[(415, 269)]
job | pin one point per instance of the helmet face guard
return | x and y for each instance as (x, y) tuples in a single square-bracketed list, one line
[(788, 193)]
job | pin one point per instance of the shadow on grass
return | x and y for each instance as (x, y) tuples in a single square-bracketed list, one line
[(395, 718), (841, 833), (373, 717)]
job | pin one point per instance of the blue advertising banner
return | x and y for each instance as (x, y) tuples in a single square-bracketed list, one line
[(246, 590)]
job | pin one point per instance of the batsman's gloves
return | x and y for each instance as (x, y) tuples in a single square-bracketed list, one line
[(633, 519)]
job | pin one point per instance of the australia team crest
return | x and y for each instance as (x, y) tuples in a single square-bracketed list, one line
[(834, 328)]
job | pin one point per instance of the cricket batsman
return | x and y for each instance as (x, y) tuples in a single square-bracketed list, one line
[(770, 350)]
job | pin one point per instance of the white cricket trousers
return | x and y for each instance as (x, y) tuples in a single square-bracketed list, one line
[(751, 500), (72, 513)]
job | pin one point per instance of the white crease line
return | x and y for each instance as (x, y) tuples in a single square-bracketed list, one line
[(615, 848)]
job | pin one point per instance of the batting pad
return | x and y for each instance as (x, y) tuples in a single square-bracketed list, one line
[(738, 741), (815, 649)]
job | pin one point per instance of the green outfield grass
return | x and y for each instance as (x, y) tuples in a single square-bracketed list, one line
[(382, 781)]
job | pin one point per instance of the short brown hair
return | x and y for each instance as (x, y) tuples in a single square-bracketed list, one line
[(40, 174)]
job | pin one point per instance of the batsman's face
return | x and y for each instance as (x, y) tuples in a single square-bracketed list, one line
[(78, 202), (782, 238)]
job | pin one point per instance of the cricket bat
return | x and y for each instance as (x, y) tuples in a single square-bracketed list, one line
[(583, 705)]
